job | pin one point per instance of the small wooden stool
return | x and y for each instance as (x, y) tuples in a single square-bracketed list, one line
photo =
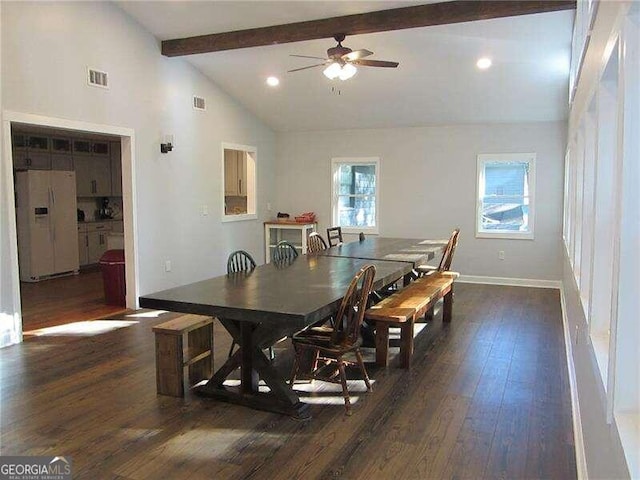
[(184, 353)]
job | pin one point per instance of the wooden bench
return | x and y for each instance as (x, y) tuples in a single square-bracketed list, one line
[(405, 306), (184, 353)]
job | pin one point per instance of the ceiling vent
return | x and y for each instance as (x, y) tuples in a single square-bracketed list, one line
[(199, 103), (96, 78)]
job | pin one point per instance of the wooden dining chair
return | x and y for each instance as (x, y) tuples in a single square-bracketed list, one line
[(284, 252), (334, 236), (239, 261), (447, 257), (315, 243), (329, 345)]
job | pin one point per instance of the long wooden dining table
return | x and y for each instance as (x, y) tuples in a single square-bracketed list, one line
[(409, 250), (259, 308)]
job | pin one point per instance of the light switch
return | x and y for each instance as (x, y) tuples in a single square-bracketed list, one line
[(205, 210)]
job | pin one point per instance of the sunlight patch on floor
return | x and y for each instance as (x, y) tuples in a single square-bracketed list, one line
[(81, 329)]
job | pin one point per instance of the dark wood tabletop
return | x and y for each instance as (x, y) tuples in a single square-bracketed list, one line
[(413, 251), (301, 293)]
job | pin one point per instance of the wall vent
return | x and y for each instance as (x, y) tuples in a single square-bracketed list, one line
[(199, 103), (96, 78)]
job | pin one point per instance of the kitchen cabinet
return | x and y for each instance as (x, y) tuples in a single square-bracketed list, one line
[(93, 176), (116, 169), (92, 241), (235, 173), (61, 158), (97, 163), (93, 167), (26, 160), (293, 232), (31, 152)]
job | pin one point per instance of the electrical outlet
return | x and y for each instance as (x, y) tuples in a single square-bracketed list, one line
[(268, 206), (501, 254), (167, 265), (205, 210)]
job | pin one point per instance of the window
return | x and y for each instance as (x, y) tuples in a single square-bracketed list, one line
[(506, 185), (355, 197), (239, 174)]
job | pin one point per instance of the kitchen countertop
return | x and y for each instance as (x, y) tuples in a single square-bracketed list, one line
[(101, 221)]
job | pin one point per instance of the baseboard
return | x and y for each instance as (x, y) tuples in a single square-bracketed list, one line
[(514, 282), (578, 439)]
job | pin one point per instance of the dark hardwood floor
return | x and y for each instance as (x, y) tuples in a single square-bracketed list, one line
[(487, 397), (62, 300)]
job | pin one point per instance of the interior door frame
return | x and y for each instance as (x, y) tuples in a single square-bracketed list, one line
[(127, 142)]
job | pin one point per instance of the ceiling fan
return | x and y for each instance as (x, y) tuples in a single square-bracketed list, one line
[(341, 61)]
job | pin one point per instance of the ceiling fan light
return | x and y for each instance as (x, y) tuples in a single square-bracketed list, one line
[(332, 71), (347, 71)]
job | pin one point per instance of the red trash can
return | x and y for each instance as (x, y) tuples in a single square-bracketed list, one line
[(112, 266)]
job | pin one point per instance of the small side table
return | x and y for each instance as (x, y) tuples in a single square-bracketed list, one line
[(294, 232), (184, 353)]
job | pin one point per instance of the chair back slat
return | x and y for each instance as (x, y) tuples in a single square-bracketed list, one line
[(447, 256), (315, 243), (284, 252), (240, 261), (351, 312), (334, 236)]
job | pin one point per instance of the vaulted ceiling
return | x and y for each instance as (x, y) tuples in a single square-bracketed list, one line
[(437, 81)]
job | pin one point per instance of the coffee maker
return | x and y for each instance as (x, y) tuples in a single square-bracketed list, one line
[(105, 212)]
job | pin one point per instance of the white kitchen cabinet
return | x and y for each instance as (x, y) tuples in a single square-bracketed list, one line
[(293, 232), (92, 241), (235, 173), (27, 160), (93, 176)]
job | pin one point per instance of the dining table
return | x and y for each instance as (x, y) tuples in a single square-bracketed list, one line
[(261, 307), (414, 251)]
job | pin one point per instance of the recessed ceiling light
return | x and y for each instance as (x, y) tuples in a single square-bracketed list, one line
[(273, 81), (483, 63)]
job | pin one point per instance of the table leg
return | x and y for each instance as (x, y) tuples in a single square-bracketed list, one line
[(254, 366), (248, 375)]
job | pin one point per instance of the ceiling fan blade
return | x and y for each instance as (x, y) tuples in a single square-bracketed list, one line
[(356, 54), (375, 63), (307, 56), (304, 68)]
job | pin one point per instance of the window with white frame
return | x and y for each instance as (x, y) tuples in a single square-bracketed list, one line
[(355, 194), (506, 186)]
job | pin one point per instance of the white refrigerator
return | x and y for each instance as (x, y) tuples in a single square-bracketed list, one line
[(46, 214)]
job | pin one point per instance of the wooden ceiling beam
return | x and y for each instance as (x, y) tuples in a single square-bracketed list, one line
[(380, 21)]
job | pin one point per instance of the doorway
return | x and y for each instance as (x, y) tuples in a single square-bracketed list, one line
[(79, 299)]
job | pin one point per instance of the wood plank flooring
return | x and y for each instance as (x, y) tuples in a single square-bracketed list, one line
[(487, 397), (63, 300)]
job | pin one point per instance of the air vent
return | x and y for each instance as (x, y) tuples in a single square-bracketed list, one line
[(96, 78), (199, 103)]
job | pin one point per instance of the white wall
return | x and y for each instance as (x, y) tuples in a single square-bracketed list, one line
[(428, 187), (46, 48), (601, 427)]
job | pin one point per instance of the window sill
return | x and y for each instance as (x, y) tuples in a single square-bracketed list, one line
[(506, 235), (600, 343), (239, 218), (629, 430), (357, 230)]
